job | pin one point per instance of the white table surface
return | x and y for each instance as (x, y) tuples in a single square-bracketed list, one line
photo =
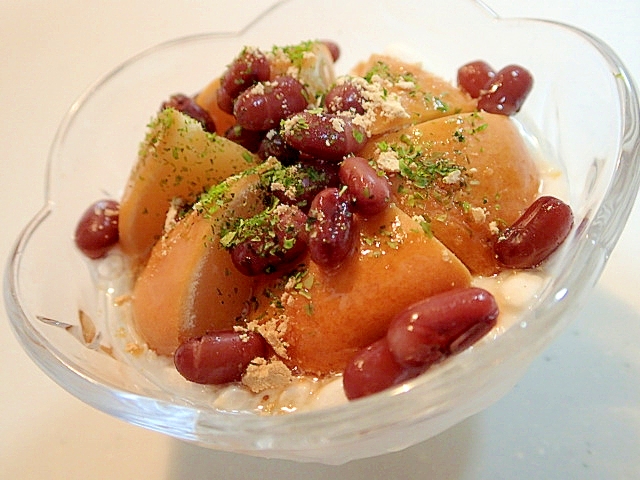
[(575, 415)]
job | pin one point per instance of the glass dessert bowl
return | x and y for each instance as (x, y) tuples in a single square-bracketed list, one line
[(64, 308)]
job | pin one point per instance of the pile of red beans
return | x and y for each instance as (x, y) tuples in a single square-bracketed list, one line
[(259, 105), (501, 92), (319, 220)]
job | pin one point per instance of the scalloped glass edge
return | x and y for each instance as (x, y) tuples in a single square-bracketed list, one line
[(340, 438)]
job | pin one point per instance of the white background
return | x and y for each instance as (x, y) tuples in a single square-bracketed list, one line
[(575, 415)]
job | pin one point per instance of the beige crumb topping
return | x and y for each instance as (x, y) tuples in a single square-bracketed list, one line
[(452, 178), (378, 101), (478, 214), (283, 63), (294, 72), (282, 209), (262, 374), (278, 56), (290, 125), (258, 88), (289, 192), (135, 349), (406, 85), (273, 331), (388, 161), (338, 124)]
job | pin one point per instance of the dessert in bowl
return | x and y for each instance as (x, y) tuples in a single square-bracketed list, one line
[(92, 355)]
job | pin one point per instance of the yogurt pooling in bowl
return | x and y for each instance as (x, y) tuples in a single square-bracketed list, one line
[(384, 110), (515, 292)]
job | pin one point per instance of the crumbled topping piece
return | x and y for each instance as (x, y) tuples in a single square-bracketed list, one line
[(378, 101), (388, 161), (479, 214), (262, 374), (258, 88), (338, 124), (135, 349), (453, 177)]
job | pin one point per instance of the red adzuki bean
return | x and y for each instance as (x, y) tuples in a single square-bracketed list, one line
[(310, 179), (508, 90), (474, 77), (262, 107), (421, 335), (97, 231), (249, 260), (324, 135), (249, 139), (370, 191), (273, 145), (536, 234), (248, 68), (188, 106), (219, 357), (277, 248), (441, 325), (332, 230), (343, 98), (291, 232), (374, 369), (225, 100)]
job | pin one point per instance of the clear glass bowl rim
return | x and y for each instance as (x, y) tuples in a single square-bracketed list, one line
[(205, 427)]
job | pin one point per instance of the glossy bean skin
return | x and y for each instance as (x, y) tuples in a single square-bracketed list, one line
[(276, 249), (291, 232), (324, 135), (374, 369), (308, 179), (344, 98), (538, 232), (441, 325), (474, 77), (330, 169), (188, 106), (218, 358), (225, 100), (371, 192), (332, 229), (261, 109), (325, 176), (273, 145), (507, 91), (249, 68), (248, 258), (249, 139), (97, 230)]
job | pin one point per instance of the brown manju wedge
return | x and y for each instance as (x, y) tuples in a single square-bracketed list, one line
[(468, 176), (189, 285), (396, 94), (178, 159), (325, 317)]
